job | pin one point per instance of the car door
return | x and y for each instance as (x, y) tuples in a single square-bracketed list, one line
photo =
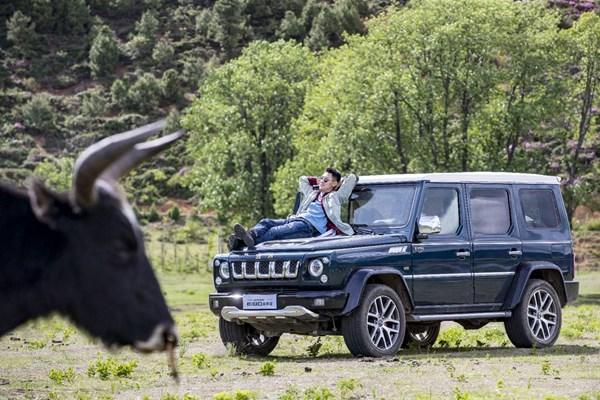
[(497, 249), (442, 270)]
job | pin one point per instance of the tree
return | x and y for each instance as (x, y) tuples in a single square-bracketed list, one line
[(170, 85), (144, 94), (141, 45), (119, 93), (163, 52), (227, 26), (104, 53), (240, 127), (21, 33), (38, 113)]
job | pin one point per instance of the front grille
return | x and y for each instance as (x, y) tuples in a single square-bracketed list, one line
[(280, 269)]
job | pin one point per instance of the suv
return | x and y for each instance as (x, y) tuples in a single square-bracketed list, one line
[(466, 247)]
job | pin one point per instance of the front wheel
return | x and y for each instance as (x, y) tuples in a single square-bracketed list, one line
[(422, 336), (245, 339), (536, 321), (376, 328)]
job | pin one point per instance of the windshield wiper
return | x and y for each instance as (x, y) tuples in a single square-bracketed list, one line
[(362, 229)]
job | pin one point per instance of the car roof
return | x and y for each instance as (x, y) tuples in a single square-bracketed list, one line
[(463, 177)]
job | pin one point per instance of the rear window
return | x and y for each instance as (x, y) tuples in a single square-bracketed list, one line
[(490, 212), (539, 208)]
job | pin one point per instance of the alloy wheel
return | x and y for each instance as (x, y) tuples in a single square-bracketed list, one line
[(383, 322)]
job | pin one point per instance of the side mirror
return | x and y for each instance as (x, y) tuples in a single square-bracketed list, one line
[(429, 224)]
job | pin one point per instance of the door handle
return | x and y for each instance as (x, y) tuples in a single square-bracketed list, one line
[(463, 254), (515, 253)]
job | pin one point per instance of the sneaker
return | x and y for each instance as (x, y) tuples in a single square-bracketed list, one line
[(242, 234), (232, 242)]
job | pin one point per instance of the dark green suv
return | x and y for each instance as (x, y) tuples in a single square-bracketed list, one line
[(466, 247)]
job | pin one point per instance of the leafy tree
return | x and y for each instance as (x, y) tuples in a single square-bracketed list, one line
[(240, 127), (21, 33), (104, 53)]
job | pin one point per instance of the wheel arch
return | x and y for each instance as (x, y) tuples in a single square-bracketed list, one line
[(385, 276), (542, 270)]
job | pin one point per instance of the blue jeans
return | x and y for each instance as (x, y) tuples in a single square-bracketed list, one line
[(279, 229)]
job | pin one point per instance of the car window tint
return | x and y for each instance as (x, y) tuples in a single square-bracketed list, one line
[(382, 205), (539, 208), (442, 202), (490, 212)]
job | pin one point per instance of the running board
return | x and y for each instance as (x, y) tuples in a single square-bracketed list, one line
[(454, 317)]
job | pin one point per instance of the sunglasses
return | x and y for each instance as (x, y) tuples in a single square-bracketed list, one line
[(324, 179)]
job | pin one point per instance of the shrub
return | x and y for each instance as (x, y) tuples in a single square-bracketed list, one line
[(38, 113), (105, 368), (237, 395), (174, 214), (267, 369), (60, 376), (56, 173), (163, 52), (153, 215), (200, 361), (21, 32), (145, 93), (104, 53), (94, 104), (169, 85), (119, 93), (592, 225)]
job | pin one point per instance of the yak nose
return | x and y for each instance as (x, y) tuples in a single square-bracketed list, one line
[(163, 336)]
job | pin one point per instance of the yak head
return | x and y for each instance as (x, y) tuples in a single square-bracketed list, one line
[(100, 276)]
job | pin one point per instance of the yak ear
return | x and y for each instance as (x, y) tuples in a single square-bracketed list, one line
[(44, 203)]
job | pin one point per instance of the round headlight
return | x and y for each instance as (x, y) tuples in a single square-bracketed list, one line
[(224, 270), (216, 262), (315, 268)]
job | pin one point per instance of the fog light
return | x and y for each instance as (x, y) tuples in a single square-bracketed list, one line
[(215, 303), (315, 268), (325, 260), (319, 302), (324, 278), (218, 280)]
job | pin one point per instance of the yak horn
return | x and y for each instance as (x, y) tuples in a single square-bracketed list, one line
[(138, 154), (96, 158)]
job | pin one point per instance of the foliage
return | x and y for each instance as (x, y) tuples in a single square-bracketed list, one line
[(56, 173), (163, 52), (144, 94), (109, 367), (200, 361), (104, 53), (94, 104), (267, 369), (237, 395), (21, 33), (61, 376), (240, 127), (38, 113)]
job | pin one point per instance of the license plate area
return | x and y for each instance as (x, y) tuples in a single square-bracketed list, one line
[(259, 301)]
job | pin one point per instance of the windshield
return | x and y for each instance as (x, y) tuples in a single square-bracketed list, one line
[(387, 205)]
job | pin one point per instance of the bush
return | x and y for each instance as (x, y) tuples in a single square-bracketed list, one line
[(174, 214), (119, 93), (56, 173), (60, 376), (169, 86), (21, 32), (145, 93), (153, 215), (163, 52), (591, 225), (267, 369), (93, 104), (38, 113), (105, 368)]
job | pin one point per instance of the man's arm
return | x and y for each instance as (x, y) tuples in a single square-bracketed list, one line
[(306, 184), (348, 184)]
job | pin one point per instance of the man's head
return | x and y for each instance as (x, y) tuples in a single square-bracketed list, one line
[(330, 180)]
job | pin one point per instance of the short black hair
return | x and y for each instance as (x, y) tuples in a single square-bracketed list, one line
[(335, 173)]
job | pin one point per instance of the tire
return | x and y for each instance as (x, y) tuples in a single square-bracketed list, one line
[(421, 336), (365, 330), (245, 339), (537, 319)]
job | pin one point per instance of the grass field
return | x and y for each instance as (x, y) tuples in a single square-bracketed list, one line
[(50, 359)]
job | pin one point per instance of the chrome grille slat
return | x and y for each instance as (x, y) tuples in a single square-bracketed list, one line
[(252, 269)]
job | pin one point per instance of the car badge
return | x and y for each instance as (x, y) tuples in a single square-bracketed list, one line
[(398, 250)]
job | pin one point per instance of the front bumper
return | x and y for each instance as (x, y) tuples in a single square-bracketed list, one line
[(572, 290), (329, 302)]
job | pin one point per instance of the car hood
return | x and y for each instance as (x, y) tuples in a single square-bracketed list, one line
[(325, 243)]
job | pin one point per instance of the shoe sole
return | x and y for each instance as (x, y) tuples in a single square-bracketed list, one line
[(243, 235)]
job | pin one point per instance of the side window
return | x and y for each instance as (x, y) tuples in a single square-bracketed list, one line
[(442, 202), (539, 208), (490, 212)]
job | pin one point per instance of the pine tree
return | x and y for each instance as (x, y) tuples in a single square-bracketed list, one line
[(104, 53), (21, 33)]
